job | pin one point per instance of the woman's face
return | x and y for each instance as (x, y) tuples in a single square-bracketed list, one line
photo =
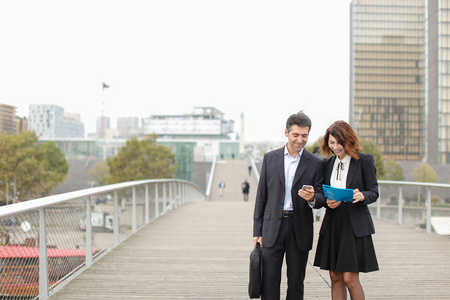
[(336, 147)]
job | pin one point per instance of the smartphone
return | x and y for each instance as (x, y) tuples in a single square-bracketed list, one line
[(306, 187)]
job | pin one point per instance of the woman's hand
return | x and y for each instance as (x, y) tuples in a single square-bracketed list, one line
[(333, 204), (358, 196)]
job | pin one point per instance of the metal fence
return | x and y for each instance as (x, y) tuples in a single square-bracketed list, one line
[(48, 241), (421, 205)]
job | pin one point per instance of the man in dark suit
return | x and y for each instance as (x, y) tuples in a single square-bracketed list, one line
[(283, 219)]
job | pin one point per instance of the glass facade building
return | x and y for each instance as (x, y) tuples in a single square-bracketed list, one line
[(438, 114), (400, 77), (387, 75)]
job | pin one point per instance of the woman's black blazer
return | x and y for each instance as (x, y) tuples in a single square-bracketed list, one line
[(362, 175)]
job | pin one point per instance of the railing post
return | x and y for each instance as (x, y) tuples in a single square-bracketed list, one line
[(164, 198), (429, 210), (116, 219), (400, 205), (133, 211), (156, 201), (180, 198), (43, 259), (88, 223), (147, 205), (171, 200)]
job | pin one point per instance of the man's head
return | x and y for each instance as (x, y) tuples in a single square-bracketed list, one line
[(297, 131), (299, 119)]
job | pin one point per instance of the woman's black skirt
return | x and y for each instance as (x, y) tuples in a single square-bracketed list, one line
[(338, 249)]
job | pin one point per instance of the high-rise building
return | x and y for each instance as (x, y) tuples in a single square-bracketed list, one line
[(50, 121), (438, 92), (21, 124), (387, 75), (7, 118), (103, 125), (128, 126)]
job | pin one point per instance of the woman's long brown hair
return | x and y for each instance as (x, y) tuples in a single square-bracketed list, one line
[(345, 136)]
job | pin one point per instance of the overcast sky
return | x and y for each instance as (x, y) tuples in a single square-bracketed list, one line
[(267, 59)]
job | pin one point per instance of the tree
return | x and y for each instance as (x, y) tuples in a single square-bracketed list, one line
[(141, 159), (32, 168), (370, 147), (424, 173), (99, 173), (393, 170)]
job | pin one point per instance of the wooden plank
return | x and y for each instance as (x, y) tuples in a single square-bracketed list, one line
[(201, 251)]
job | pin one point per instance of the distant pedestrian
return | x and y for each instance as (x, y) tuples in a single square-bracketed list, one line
[(249, 170), (245, 189), (221, 187)]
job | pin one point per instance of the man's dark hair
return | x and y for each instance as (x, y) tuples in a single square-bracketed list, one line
[(299, 119)]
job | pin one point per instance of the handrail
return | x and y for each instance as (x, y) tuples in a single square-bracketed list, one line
[(211, 177), (60, 226), (25, 206), (412, 207), (414, 183)]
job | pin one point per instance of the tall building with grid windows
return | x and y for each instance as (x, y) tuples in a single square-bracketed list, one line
[(438, 108), (387, 75), (400, 77)]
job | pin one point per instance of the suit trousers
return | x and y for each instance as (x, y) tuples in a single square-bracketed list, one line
[(272, 261)]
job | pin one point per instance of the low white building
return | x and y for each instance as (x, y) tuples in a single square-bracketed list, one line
[(50, 121), (203, 122)]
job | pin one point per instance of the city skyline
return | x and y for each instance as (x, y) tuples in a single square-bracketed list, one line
[(263, 59)]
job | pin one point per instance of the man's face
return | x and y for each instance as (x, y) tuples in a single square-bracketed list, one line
[(297, 138)]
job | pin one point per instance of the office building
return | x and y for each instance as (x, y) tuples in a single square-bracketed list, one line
[(438, 88), (7, 118), (21, 124), (128, 127), (387, 75), (50, 121), (202, 123)]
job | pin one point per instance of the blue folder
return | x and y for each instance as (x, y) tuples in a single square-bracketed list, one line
[(338, 194)]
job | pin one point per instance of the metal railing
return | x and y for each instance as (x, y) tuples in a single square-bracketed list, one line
[(46, 242), (415, 204)]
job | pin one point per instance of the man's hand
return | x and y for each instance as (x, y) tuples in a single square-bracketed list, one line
[(257, 239), (307, 194)]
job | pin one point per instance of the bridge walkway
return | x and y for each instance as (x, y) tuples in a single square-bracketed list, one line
[(201, 251)]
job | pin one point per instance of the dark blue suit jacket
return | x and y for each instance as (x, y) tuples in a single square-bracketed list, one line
[(270, 198), (362, 175)]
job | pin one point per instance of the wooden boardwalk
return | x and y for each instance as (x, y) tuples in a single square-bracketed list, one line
[(201, 251)]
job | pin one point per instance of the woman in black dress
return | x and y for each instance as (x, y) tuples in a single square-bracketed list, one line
[(345, 245)]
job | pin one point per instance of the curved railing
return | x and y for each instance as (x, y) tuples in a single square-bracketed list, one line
[(46, 242)]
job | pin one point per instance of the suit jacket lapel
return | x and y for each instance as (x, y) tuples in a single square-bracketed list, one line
[(329, 170), (351, 171), (302, 164)]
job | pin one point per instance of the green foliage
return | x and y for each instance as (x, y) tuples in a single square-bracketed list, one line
[(37, 167), (424, 173), (393, 170), (317, 143), (141, 159), (435, 199), (370, 147), (99, 173)]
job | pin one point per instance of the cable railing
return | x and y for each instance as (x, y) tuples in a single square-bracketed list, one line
[(46, 242), (421, 205)]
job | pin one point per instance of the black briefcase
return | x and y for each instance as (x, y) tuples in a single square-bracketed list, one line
[(255, 273)]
